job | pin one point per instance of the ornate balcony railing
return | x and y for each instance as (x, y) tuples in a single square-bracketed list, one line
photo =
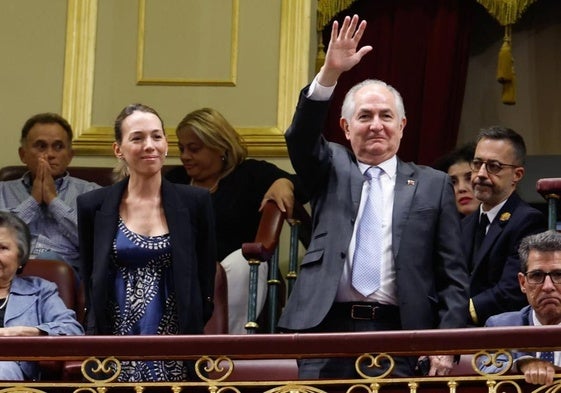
[(266, 362)]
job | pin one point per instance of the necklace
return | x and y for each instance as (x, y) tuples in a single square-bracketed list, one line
[(211, 189), (5, 302)]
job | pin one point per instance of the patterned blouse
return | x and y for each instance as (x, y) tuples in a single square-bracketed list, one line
[(142, 301)]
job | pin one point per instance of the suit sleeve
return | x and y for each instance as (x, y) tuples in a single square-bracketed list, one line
[(451, 273), (308, 150)]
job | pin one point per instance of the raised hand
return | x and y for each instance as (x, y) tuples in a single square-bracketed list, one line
[(342, 53)]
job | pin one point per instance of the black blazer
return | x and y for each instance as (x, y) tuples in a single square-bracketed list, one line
[(189, 215), (494, 287)]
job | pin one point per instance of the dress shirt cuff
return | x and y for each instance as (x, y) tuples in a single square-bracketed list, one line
[(317, 92), (472, 312), (28, 210)]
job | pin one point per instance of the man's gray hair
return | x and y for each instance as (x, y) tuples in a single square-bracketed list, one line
[(348, 107), (547, 241)]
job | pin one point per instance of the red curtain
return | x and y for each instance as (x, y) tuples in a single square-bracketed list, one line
[(421, 47)]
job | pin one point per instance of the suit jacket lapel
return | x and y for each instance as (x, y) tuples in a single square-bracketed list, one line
[(105, 227), (495, 229), (356, 180), (405, 186)]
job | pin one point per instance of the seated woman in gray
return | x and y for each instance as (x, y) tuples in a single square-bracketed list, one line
[(29, 306)]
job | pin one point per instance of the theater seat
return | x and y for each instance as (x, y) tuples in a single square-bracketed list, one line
[(64, 277), (73, 297), (550, 189)]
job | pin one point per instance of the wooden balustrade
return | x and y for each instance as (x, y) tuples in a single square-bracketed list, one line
[(222, 355)]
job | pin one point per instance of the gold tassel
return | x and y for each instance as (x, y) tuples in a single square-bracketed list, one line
[(505, 65), (505, 69), (509, 93)]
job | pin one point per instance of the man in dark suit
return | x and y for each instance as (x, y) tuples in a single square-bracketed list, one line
[(497, 168), (540, 280), (420, 269)]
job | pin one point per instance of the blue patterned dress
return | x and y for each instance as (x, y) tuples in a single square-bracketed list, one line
[(142, 301)]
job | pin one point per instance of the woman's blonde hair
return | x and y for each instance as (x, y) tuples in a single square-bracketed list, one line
[(216, 133)]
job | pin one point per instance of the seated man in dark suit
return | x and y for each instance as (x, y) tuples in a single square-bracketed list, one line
[(385, 252), (493, 232), (540, 280)]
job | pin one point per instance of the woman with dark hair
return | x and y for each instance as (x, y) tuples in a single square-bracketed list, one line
[(147, 248), (29, 306), (457, 165)]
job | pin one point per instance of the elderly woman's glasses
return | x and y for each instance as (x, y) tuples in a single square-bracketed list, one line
[(491, 166)]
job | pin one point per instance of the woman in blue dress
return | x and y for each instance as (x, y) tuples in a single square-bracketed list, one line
[(147, 248)]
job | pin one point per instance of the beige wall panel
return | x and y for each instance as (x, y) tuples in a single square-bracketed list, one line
[(188, 42), (251, 102), (32, 36), (272, 64)]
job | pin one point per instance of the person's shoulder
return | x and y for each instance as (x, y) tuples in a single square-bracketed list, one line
[(81, 183), (422, 170), (95, 194), (27, 285), (510, 318), (522, 209), (12, 184)]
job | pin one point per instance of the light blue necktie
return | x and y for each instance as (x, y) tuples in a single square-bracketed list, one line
[(367, 257)]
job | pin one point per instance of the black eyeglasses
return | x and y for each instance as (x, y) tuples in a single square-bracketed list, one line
[(538, 276), (491, 166)]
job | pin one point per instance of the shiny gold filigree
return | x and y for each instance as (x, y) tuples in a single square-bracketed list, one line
[(373, 388), (375, 362), (22, 389), (95, 370), (501, 360), (216, 370), (505, 384), (293, 388)]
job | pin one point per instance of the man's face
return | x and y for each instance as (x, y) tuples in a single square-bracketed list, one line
[(544, 298), (50, 142), (375, 129), (492, 189)]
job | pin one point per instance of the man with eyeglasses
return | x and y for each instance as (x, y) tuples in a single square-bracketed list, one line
[(540, 279), (493, 232)]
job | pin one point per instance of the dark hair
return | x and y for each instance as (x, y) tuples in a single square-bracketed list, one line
[(505, 133), (46, 118), (463, 153), (21, 232), (126, 112), (547, 241)]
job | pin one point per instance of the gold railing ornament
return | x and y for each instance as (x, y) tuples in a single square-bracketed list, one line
[(507, 13), (106, 370), (375, 363)]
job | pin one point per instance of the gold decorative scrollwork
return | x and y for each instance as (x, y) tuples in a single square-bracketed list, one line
[(375, 362), (21, 389), (373, 388), (221, 367), (502, 384), (500, 360), (293, 388), (105, 371)]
